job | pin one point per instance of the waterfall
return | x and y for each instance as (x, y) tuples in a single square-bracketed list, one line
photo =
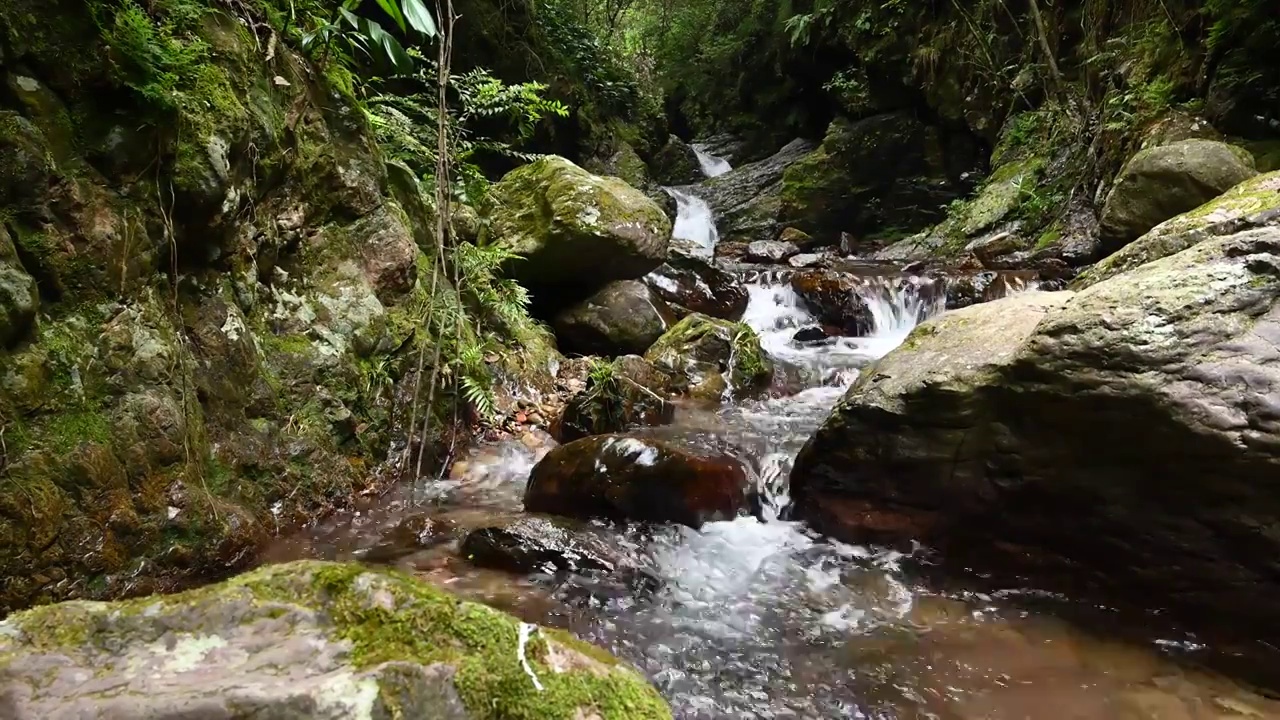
[(712, 165), (897, 305), (695, 228)]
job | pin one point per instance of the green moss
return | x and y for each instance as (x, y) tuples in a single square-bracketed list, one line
[(749, 367), (66, 431), (1048, 237)]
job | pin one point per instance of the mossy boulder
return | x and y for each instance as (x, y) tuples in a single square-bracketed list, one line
[(18, 298), (1253, 203), (307, 640), (676, 163), (1000, 195), (1161, 182), (625, 394), (622, 318), (708, 356), (886, 171), (572, 231)]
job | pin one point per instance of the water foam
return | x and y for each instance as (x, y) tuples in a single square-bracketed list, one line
[(694, 228), (712, 165)]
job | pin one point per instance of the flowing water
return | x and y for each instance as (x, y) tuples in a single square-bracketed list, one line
[(712, 166), (764, 619), (694, 231)]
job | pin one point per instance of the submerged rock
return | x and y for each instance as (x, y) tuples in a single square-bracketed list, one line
[(574, 229), (626, 394), (621, 318), (616, 477), (306, 640), (1164, 181), (983, 435), (691, 285), (708, 356)]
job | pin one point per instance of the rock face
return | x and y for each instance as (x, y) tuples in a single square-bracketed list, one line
[(884, 171), (747, 199), (622, 318), (626, 394), (676, 163), (305, 640), (616, 477), (1253, 203), (709, 356), (691, 285), (572, 229), (153, 434), (1124, 437), (1161, 182)]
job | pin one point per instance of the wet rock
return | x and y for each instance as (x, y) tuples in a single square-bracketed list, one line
[(808, 335), (747, 199), (531, 544), (834, 300), (621, 318), (620, 478), (1254, 203), (572, 229), (981, 435), (306, 639), (806, 260), (770, 251), (626, 394), (1164, 181), (676, 163), (707, 356), (691, 285)]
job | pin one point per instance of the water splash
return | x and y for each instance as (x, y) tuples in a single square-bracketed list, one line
[(695, 228), (712, 165), (898, 305)]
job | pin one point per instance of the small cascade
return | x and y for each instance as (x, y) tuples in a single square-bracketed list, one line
[(712, 165), (897, 306), (695, 229)]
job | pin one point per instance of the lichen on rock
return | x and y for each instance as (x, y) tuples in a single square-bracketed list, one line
[(327, 640)]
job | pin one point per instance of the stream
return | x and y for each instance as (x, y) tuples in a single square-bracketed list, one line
[(764, 619)]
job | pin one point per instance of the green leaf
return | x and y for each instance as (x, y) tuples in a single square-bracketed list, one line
[(390, 46), (420, 18), (392, 8)]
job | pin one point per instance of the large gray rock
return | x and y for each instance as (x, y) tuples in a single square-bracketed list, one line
[(621, 319), (1253, 203), (1161, 182), (572, 229), (304, 641), (1126, 436)]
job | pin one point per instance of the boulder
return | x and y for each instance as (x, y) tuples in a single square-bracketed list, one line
[(534, 544), (885, 171), (304, 640), (627, 393), (570, 229), (796, 236), (746, 200), (616, 477), (1124, 438), (692, 285), (1164, 181), (621, 318), (833, 299), (770, 251), (676, 163), (708, 356), (1000, 195), (1253, 203), (806, 260)]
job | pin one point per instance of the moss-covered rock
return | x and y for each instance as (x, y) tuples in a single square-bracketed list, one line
[(18, 299), (872, 175), (314, 640), (573, 231), (709, 356), (1252, 203), (676, 163), (625, 394), (1164, 181)]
